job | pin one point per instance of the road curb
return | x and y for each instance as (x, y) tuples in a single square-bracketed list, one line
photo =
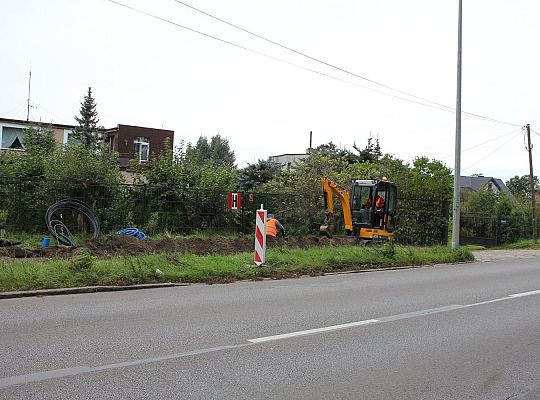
[(95, 289), (84, 289)]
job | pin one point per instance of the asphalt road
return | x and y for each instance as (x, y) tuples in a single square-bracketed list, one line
[(466, 331)]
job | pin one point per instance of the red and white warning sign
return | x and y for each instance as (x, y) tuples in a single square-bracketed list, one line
[(234, 201), (260, 237)]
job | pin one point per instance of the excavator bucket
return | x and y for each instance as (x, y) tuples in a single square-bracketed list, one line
[(327, 230)]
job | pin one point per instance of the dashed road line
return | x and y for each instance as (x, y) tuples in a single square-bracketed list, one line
[(79, 370)]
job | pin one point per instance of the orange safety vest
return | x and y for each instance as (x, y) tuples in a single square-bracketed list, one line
[(271, 229), (379, 203)]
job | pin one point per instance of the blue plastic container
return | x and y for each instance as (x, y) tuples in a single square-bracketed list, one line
[(45, 242)]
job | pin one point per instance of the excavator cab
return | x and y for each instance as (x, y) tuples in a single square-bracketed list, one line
[(368, 208), (373, 208)]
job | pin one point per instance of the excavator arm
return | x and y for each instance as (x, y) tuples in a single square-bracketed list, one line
[(331, 188)]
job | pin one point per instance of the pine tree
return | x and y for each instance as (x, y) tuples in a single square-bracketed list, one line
[(86, 134), (371, 153), (215, 152)]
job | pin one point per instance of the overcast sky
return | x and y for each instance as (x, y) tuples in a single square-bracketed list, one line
[(265, 100)]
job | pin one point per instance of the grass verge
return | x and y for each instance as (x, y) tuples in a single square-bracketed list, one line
[(521, 244), (84, 270)]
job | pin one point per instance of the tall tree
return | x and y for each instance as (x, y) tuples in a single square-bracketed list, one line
[(86, 133), (371, 153), (255, 175), (221, 153), (431, 178), (521, 187), (215, 152)]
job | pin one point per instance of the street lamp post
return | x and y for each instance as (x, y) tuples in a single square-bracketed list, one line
[(457, 155)]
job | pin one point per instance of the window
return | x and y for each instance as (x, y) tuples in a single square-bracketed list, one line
[(361, 197), (12, 138), (68, 137), (110, 143), (361, 204), (142, 148)]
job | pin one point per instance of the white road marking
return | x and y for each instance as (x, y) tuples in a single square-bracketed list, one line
[(74, 371), (312, 331), (525, 294), (65, 372), (390, 318)]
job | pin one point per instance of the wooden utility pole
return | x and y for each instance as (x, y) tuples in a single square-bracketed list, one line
[(531, 181)]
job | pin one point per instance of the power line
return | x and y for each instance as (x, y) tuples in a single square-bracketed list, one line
[(437, 107), (486, 142), (342, 69), (492, 152), (492, 140), (427, 103)]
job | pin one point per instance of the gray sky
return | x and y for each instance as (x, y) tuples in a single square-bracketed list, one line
[(152, 73)]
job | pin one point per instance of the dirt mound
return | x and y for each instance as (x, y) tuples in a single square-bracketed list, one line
[(118, 245)]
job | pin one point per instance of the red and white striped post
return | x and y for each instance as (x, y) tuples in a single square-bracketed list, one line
[(260, 237)]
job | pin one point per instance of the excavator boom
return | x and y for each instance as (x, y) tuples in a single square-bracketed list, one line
[(330, 188)]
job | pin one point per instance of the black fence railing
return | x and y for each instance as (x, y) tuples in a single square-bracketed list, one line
[(155, 209), (24, 201), (494, 230)]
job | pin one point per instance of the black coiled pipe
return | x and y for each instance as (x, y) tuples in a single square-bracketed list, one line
[(59, 230)]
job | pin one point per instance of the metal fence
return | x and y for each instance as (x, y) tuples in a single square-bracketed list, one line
[(24, 201), (493, 230), (155, 209)]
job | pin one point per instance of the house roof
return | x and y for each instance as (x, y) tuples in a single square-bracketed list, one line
[(290, 155), (70, 127), (24, 122), (120, 126), (477, 182)]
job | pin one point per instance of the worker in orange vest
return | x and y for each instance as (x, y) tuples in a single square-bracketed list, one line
[(379, 202), (272, 226), (379, 210)]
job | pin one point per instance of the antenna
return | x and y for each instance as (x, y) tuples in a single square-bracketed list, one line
[(28, 103)]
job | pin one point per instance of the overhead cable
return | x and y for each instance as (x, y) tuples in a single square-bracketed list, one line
[(442, 108), (492, 152), (486, 142), (420, 101), (492, 140), (425, 100)]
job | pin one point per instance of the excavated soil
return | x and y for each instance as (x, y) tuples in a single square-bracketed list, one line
[(124, 245)]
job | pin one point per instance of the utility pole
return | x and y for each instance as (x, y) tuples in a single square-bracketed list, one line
[(531, 181), (28, 103), (457, 155)]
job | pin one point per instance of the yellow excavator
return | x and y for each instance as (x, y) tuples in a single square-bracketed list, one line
[(369, 208)]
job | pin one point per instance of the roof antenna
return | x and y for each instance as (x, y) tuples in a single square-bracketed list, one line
[(28, 102)]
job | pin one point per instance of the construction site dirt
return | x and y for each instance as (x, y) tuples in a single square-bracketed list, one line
[(125, 245)]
